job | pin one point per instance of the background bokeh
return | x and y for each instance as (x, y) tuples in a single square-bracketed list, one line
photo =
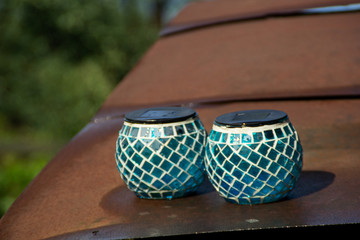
[(59, 60)]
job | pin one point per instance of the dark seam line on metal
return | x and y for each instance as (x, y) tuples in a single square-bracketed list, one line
[(171, 30), (210, 103), (106, 234)]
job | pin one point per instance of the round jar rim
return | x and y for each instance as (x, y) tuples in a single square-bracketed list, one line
[(160, 115), (251, 118)]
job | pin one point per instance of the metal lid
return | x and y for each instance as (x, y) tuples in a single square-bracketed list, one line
[(251, 118), (160, 115)]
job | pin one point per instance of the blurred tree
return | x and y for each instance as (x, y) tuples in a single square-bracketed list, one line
[(61, 58)]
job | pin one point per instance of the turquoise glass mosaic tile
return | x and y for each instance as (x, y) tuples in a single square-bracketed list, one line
[(162, 161), (254, 165)]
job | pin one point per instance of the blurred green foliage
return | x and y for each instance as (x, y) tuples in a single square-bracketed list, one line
[(16, 171), (59, 60)]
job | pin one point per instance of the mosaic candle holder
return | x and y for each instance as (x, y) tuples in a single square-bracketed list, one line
[(160, 152), (253, 157)]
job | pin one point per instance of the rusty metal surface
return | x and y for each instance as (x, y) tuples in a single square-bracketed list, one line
[(199, 11), (296, 54), (252, 65), (288, 9), (80, 193)]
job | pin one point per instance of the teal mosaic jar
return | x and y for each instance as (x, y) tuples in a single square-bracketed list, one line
[(160, 152), (253, 157)]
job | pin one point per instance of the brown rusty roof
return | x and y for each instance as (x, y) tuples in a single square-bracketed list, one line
[(297, 55), (305, 65)]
